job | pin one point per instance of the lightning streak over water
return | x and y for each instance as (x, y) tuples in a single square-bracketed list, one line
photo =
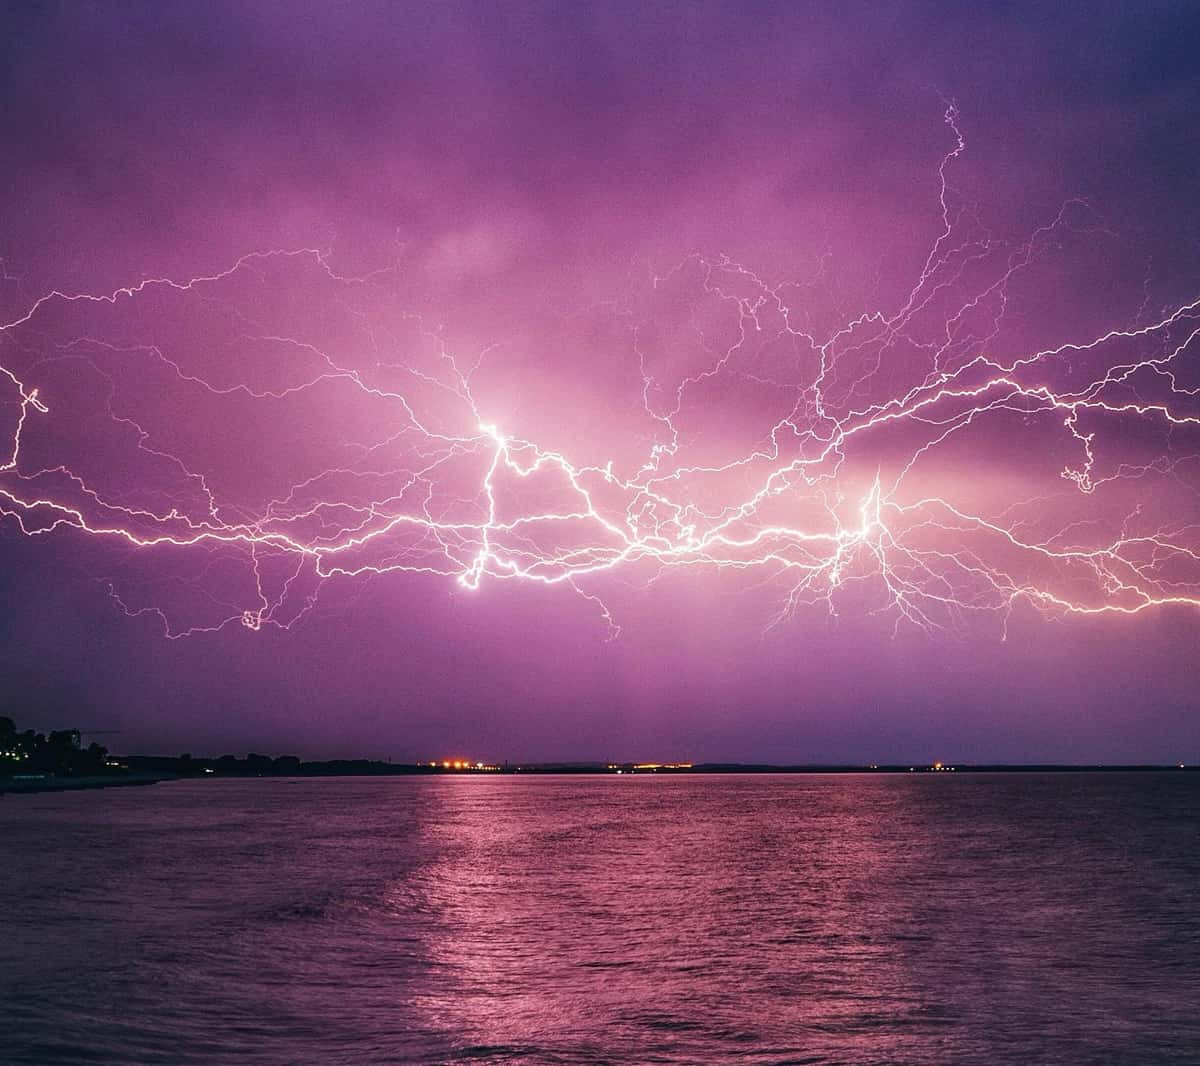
[(868, 461)]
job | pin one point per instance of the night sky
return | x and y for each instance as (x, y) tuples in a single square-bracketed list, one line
[(759, 382)]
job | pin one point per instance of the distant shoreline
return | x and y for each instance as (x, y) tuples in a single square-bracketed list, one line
[(202, 768), (261, 766), (149, 770)]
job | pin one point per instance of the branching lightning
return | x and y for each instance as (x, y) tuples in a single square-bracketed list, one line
[(860, 486)]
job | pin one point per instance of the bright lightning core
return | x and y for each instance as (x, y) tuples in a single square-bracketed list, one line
[(247, 436)]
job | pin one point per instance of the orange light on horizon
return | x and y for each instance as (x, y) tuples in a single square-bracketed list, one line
[(462, 764)]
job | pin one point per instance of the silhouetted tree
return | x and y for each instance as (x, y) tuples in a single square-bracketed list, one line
[(258, 764), (58, 753), (93, 760), (11, 749)]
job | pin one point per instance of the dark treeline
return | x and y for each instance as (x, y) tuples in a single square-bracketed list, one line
[(255, 765), (59, 752)]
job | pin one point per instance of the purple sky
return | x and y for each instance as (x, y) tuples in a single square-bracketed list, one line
[(646, 382)]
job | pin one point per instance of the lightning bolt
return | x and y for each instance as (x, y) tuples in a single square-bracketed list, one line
[(839, 499)]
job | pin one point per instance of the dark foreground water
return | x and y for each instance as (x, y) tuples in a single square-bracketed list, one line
[(924, 919)]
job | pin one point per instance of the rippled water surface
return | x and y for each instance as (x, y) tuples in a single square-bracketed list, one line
[(781, 919)]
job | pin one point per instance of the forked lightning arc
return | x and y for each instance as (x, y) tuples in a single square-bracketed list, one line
[(839, 490)]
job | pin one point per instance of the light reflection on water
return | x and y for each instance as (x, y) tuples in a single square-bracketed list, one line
[(978, 918)]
